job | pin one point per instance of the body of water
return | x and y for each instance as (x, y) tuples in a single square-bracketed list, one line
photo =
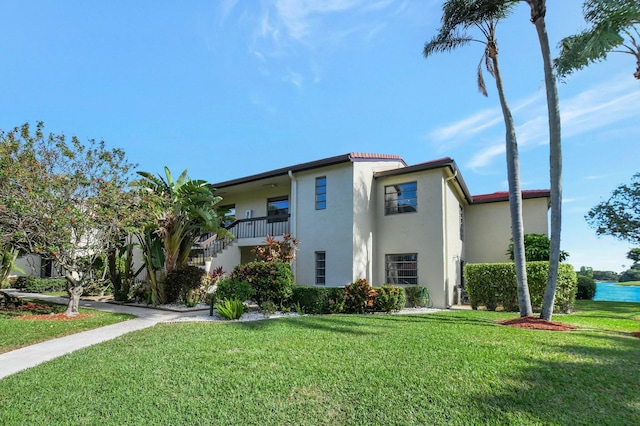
[(617, 293)]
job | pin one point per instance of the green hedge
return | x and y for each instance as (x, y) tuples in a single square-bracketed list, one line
[(331, 300), (40, 285), (494, 284), (317, 300)]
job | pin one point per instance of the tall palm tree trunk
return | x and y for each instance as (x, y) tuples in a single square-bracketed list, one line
[(515, 193), (538, 11)]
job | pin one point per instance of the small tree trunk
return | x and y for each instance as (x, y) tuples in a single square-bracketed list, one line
[(74, 293), (515, 194), (74, 290)]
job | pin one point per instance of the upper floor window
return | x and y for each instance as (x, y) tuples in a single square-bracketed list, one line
[(400, 198), (228, 214), (321, 193), (277, 209)]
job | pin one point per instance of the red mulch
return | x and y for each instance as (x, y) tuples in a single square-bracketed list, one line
[(52, 317), (636, 334), (537, 324)]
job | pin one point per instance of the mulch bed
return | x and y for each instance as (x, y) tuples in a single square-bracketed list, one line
[(636, 334), (52, 317), (537, 324)]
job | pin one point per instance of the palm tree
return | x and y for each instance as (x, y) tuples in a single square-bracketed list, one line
[(538, 12), (458, 16), (614, 28)]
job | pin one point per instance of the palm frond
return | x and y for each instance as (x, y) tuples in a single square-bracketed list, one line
[(481, 84)]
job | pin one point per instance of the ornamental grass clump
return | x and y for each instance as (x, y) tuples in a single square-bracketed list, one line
[(230, 309)]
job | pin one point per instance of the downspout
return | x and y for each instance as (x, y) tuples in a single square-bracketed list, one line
[(446, 240), (293, 213)]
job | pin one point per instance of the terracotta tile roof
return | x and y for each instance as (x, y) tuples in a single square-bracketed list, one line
[(504, 196), (367, 156)]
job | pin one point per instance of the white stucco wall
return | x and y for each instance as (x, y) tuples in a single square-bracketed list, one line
[(328, 230), (489, 228), (420, 232), (453, 251)]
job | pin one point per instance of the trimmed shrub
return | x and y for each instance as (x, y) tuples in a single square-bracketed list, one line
[(389, 298), (270, 280), (231, 289), (359, 296), (586, 288), (313, 300), (415, 296), (40, 285), (494, 284), (336, 301), (181, 282)]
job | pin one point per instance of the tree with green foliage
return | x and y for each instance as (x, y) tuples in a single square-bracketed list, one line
[(537, 247), (183, 210), (634, 255), (619, 216), (64, 201), (586, 271), (458, 17), (613, 27)]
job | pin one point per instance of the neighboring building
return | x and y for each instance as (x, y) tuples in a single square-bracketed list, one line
[(372, 216)]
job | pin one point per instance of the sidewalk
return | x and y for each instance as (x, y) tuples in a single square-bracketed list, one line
[(30, 356)]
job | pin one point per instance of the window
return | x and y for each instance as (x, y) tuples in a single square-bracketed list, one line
[(321, 193), (461, 223), (277, 209), (401, 198), (401, 268), (321, 268), (228, 214)]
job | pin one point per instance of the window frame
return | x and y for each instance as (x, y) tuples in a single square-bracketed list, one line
[(281, 216), (399, 204), (401, 259), (321, 197), (320, 268)]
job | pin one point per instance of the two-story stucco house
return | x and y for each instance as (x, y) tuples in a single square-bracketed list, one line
[(372, 216)]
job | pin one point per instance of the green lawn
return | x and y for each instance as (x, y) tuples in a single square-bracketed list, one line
[(16, 333), (629, 283), (448, 368)]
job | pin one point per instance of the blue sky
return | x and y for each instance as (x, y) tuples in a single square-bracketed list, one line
[(231, 88)]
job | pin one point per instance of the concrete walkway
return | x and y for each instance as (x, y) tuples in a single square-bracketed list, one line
[(30, 356)]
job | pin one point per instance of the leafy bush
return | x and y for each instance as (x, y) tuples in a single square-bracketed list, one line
[(586, 288), (494, 284), (313, 300), (181, 282), (270, 280), (97, 288), (537, 248), (389, 298), (230, 309), (268, 308), (359, 296), (336, 300), (231, 289), (416, 296), (277, 251), (40, 285)]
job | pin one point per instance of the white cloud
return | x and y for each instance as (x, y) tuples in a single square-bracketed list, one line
[(596, 108)]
